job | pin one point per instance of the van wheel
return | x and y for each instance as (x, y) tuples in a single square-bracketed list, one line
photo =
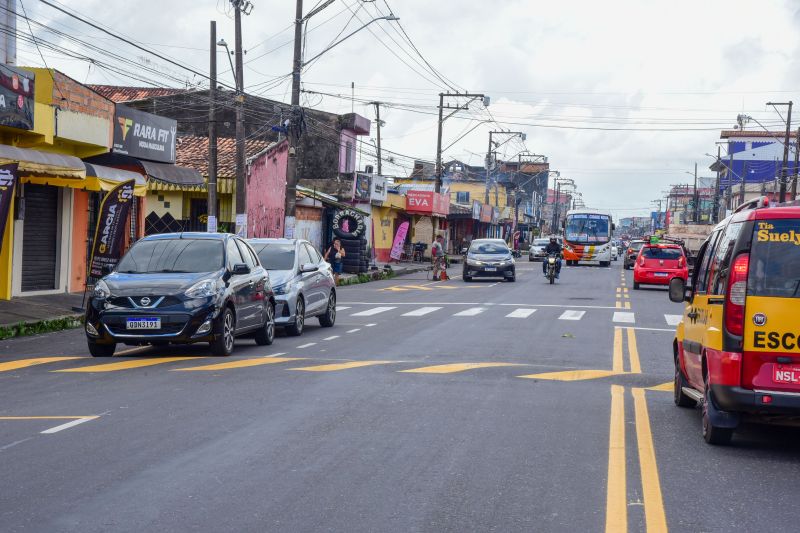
[(680, 398), (713, 434)]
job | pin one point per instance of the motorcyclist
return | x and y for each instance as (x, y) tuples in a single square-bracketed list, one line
[(552, 248)]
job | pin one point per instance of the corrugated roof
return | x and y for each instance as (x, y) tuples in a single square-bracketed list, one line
[(192, 151), (120, 94), (725, 134)]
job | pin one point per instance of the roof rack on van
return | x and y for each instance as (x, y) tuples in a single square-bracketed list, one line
[(755, 203)]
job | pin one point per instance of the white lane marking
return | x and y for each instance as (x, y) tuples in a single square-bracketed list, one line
[(369, 325), (472, 311), (332, 337), (484, 303), (421, 311), (354, 330), (308, 345), (67, 425), (628, 318), (673, 320), (276, 354), (373, 311), (572, 315), (520, 313), (341, 307)]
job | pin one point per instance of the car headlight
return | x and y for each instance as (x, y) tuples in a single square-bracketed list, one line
[(101, 290), (474, 262), (202, 289), (284, 288)]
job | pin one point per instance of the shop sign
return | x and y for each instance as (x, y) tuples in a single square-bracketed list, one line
[(349, 224), (428, 202), (495, 215), (361, 188), (110, 230), (476, 210), (379, 190), (486, 213), (16, 98), (8, 180), (144, 135)]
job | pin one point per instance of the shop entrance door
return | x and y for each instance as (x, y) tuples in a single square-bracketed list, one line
[(39, 238)]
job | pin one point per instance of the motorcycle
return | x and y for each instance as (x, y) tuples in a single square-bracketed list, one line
[(552, 265)]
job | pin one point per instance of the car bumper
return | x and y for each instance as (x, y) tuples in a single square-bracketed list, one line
[(737, 399), (482, 271), (285, 310), (650, 278)]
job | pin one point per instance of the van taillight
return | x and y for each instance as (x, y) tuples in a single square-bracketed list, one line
[(737, 293)]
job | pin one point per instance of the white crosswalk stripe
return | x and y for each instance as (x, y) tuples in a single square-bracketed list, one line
[(572, 315), (673, 320), (472, 311), (373, 311), (520, 313), (421, 311), (628, 318), (342, 307)]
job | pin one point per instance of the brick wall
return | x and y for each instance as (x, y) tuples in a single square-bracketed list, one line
[(79, 98)]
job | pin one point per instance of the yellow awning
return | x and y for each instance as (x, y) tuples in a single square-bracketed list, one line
[(35, 163), (101, 178)]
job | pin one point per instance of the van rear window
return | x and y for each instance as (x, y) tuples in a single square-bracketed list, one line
[(775, 259)]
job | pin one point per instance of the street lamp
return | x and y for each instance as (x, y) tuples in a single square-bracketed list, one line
[(222, 43)]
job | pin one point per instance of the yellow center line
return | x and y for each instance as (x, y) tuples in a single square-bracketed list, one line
[(627, 305), (340, 366), (572, 375), (24, 363), (87, 417), (616, 489), (455, 367), (655, 518), (664, 387), (238, 364), (617, 363), (618, 305), (125, 365), (633, 352)]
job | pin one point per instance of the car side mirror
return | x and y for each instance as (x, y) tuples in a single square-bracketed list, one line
[(678, 291), (106, 270), (240, 269), (308, 267)]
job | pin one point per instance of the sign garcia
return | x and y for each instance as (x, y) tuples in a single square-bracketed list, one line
[(16, 98), (107, 245), (144, 135)]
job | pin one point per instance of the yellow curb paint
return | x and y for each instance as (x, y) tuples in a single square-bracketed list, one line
[(340, 366), (455, 367), (573, 375), (633, 352), (654, 515), (617, 362), (664, 387), (616, 487), (127, 365), (24, 363), (238, 364)]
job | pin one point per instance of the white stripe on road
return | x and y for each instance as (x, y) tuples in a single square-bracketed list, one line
[(342, 307), (275, 354), (309, 345), (572, 315), (67, 425), (421, 311), (673, 320), (353, 330), (628, 318), (472, 311), (332, 337), (520, 313), (373, 311)]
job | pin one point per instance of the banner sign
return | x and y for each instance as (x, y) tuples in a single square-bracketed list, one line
[(428, 203), (16, 98), (8, 180), (361, 188), (144, 135), (476, 210), (108, 236), (399, 239), (486, 213), (379, 190)]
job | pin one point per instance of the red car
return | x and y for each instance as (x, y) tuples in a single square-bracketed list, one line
[(657, 264)]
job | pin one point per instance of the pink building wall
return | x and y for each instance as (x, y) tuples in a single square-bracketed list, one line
[(266, 191)]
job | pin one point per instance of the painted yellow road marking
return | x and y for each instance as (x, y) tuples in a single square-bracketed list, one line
[(655, 518), (455, 367), (617, 363), (244, 363), (625, 290), (90, 417), (627, 305), (618, 305), (633, 352), (24, 363), (573, 375), (664, 387), (616, 489), (340, 366), (126, 365)]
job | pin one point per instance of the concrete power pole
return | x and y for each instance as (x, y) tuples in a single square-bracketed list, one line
[(378, 126), (211, 209), (293, 136), (785, 167), (241, 180)]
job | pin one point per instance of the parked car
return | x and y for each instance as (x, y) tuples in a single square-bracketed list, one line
[(303, 283), (489, 258), (536, 251), (182, 288), (657, 264), (737, 349), (630, 254)]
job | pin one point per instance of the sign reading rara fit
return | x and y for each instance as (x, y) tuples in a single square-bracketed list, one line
[(143, 135)]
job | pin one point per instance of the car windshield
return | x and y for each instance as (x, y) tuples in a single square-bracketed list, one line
[(775, 259), (488, 248), (172, 255), (275, 256), (653, 252), (541, 242), (636, 245)]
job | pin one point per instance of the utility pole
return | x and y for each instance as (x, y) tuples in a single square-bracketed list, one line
[(785, 167), (555, 207), (241, 180), (211, 209), (717, 185), (293, 134), (796, 162), (378, 124), (744, 183), (696, 214), (488, 164), (456, 108)]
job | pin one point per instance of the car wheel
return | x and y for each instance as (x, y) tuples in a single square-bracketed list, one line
[(101, 350), (605, 263), (466, 278), (266, 334), (329, 318), (222, 345), (530, 259), (513, 278), (680, 398), (713, 434), (635, 286), (296, 329)]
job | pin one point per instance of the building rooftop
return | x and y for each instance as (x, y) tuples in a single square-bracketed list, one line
[(727, 134), (120, 94), (192, 151)]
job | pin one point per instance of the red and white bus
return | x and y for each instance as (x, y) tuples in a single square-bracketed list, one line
[(587, 237)]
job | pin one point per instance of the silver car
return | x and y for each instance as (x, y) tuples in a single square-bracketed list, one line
[(302, 281), (536, 252)]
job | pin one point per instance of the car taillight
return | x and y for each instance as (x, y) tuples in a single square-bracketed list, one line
[(737, 294), (641, 261), (681, 262)]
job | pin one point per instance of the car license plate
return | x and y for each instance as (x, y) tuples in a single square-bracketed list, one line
[(491, 269), (144, 323), (661, 274), (786, 374)]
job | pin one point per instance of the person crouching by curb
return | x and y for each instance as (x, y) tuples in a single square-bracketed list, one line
[(335, 256)]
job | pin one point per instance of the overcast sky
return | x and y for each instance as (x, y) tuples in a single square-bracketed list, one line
[(622, 96)]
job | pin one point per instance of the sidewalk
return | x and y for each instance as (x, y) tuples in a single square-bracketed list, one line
[(30, 309), (399, 269)]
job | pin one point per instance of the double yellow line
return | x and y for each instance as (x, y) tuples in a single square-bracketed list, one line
[(617, 487)]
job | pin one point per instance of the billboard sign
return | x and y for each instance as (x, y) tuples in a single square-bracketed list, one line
[(428, 203), (144, 135), (379, 190), (362, 184), (16, 98)]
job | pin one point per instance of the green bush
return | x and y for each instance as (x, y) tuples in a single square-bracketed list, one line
[(43, 326)]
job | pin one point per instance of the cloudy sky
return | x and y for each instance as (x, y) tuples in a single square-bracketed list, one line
[(623, 96)]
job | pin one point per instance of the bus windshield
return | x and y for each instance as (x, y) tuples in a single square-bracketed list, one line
[(587, 228)]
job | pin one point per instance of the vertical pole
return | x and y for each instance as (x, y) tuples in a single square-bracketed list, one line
[(438, 185), (241, 180), (796, 161), (785, 167), (696, 213), (211, 209), (488, 162), (378, 123), (744, 183), (715, 217), (294, 133), (729, 189)]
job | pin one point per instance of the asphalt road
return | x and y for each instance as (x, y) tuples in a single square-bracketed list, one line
[(428, 407)]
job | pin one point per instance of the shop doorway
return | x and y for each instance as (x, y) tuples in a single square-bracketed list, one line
[(40, 238)]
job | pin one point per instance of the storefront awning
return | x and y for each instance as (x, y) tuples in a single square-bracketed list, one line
[(327, 199), (161, 175), (101, 178), (35, 163)]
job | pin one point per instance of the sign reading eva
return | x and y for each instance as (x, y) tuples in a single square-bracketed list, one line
[(16, 98), (144, 135)]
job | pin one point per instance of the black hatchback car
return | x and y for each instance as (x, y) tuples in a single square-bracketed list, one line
[(182, 288)]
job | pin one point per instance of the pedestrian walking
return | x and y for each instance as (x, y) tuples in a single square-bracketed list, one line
[(335, 256), (437, 256)]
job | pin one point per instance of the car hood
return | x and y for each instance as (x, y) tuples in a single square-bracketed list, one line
[(156, 283), (489, 257), (280, 277)]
